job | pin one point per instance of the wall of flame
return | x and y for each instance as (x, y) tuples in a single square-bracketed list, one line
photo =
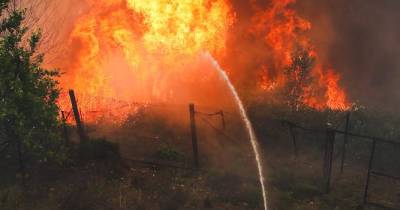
[(122, 51)]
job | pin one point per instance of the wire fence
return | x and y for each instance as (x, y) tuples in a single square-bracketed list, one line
[(341, 148), (207, 116), (383, 157)]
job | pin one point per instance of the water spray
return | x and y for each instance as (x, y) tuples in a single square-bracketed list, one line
[(250, 130)]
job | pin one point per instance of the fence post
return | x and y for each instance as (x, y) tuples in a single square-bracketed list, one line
[(223, 119), (292, 133), (65, 128), (328, 158), (345, 141), (371, 160), (81, 131), (194, 135)]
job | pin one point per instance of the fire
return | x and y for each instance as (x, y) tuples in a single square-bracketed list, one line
[(280, 27), (185, 26), (336, 96), (121, 51), (127, 50), (284, 33)]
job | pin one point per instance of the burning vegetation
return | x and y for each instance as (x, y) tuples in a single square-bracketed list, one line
[(123, 51)]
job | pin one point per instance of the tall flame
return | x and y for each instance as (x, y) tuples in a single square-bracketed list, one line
[(125, 50)]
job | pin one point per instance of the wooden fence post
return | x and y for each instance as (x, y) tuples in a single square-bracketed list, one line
[(328, 158), (371, 161), (194, 135), (345, 141), (77, 116), (65, 128)]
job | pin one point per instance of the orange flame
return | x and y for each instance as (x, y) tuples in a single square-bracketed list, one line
[(120, 51), (284, 33), (123, 50)]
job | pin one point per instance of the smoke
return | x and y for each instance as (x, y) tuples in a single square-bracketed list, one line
[(360, 39)]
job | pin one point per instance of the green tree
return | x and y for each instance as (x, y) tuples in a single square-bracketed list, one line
[(28, 93)]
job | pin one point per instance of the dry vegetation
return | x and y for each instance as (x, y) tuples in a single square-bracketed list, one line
[(97, 177)]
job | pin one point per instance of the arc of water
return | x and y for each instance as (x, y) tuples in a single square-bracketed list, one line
[(243, 113)]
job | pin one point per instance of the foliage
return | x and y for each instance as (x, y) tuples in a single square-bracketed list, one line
[(28, 93)]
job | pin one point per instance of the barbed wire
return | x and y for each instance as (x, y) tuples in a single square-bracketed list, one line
[(218, 130), (360, 136), (210, 114)]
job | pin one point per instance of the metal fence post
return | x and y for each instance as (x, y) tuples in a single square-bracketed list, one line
[(345, 141), (371, 161), (223, 119), (328, 158)]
